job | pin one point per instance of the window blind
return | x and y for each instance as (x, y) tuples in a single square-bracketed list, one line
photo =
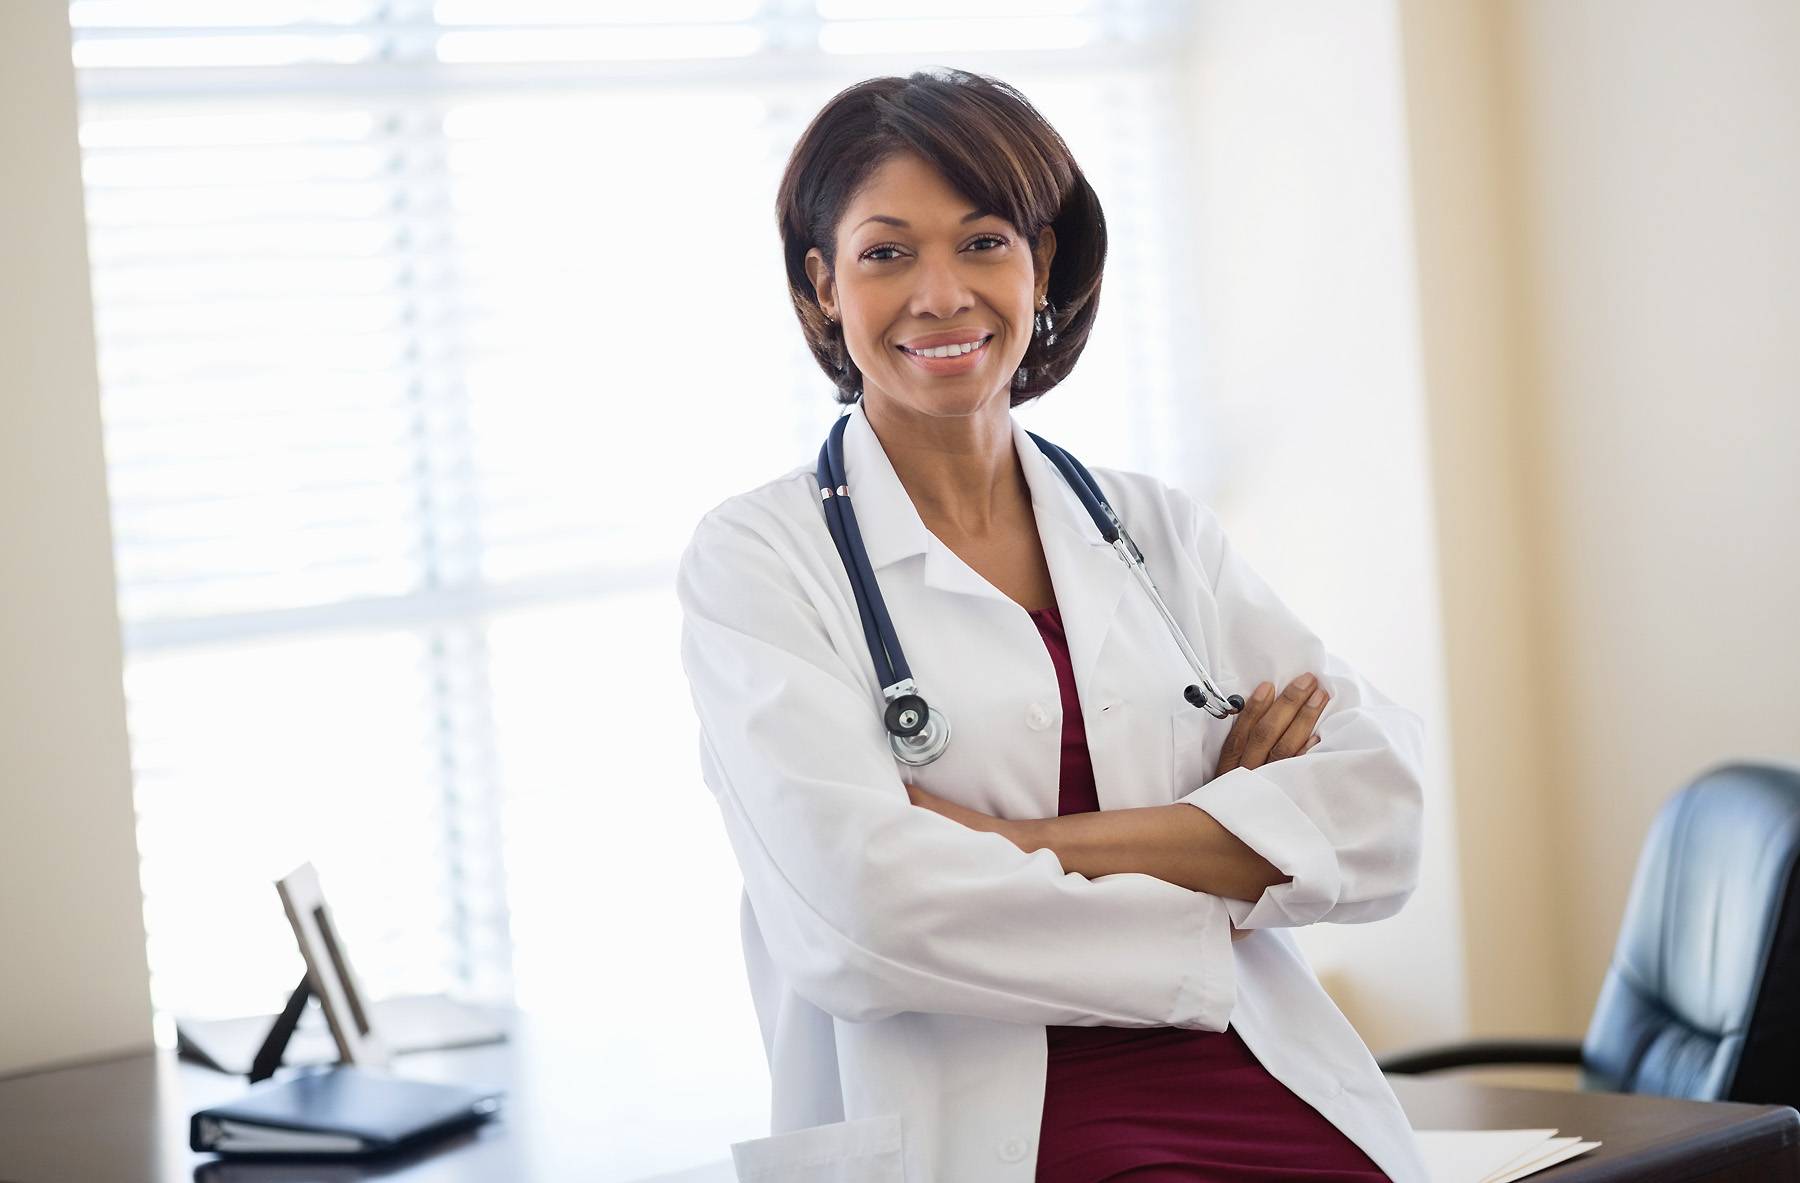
[(426, 333)]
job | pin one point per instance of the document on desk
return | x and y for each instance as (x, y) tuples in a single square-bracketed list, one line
[(1494, 1156)]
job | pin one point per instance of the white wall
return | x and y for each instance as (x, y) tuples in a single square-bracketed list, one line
[(1308, 353), (74, 982)]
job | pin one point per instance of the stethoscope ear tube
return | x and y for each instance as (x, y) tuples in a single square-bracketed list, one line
[(1206, 695), (1204, 701)]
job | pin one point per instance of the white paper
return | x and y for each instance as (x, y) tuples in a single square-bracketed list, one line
[(1493, 1156), (1565, 1153), (1533, 1158)]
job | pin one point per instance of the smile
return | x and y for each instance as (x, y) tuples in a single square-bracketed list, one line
[(949, 359)]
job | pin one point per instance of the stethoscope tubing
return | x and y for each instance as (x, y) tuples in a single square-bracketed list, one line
[(1088, 490), (840, 516), (878, 628)]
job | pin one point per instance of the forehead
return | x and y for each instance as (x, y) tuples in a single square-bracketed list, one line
[(910, 188)]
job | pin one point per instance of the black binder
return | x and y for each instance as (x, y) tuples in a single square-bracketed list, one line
[(343, 1111)]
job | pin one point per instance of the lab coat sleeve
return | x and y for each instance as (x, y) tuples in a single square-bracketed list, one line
[(872, 906), (1344, 820)]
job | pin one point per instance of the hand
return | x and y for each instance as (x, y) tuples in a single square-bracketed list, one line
[(1238, 934), (1274, 728)]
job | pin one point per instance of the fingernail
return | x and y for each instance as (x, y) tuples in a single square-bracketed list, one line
[(1317, 699), (1262, 693), (1305, 681)]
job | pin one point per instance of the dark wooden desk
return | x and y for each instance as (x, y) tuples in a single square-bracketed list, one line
[(126, 1120), (1643, 1139)]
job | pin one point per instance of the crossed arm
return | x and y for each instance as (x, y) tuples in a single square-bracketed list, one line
[(1176, 843)]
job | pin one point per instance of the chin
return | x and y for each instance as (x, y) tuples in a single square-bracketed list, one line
[(964, 394), (969, 400)]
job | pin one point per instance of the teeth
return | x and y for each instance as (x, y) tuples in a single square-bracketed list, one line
[(946, 350)]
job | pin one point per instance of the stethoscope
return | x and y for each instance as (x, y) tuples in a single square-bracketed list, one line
[(917, 732)]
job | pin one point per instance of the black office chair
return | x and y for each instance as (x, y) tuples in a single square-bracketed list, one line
[(1702, 999)]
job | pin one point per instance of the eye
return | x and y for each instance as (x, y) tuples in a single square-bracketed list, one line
[(997, 239)]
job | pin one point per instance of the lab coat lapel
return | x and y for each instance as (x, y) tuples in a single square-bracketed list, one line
[(1088, 577), (889, 522)]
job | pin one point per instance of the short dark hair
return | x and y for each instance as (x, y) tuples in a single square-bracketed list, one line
[(994, 148)]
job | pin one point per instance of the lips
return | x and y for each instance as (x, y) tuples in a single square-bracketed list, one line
[(956, 363), (937, 340)]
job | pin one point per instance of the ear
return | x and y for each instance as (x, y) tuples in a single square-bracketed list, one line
[(1041, 253), (822, 281)]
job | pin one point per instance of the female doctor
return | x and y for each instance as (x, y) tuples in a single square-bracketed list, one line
[(1047, 941)]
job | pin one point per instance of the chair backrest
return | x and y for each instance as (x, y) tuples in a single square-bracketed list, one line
[(1702, 999)]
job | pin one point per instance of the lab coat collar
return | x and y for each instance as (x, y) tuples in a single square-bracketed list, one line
[(890, 524), (1088, 577)]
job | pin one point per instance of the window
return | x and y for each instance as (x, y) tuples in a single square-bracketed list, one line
[(386, 294)]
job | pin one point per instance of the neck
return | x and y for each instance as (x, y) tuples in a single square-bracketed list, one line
[(962, 472)]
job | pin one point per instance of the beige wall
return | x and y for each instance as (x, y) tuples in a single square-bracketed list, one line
[(1464, 226), (73, 977), (1609, 266), (1658, 186), (1591, 374)]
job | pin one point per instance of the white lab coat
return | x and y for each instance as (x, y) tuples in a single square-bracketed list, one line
[(904, 966)]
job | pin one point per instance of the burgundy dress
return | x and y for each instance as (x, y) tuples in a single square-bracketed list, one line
[(1161, 1104)]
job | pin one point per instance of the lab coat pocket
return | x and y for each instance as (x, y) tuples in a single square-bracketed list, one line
[(1195, 739), (862, 1150)]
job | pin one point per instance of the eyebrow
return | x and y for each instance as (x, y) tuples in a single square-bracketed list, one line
[(971, 216)]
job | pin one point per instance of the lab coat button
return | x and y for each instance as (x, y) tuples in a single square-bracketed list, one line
[(1012, 1150), (1037, 717)]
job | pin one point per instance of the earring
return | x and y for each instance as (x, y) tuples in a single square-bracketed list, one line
[(839, 361), (1044, 321)]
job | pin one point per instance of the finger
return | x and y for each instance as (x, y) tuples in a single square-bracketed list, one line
[(1232, 751), (1310, 744), (1275, 720), (1231, 755), (1293, 740)]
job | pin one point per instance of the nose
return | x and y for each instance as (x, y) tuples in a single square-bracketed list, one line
[(940, 290)]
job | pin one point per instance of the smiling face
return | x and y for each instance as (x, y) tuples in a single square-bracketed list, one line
[(918, 266)]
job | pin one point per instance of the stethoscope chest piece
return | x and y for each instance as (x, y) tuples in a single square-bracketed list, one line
[(917, 733), (907, 715)]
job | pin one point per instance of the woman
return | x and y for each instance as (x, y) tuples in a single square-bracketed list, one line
[(1058, 950)]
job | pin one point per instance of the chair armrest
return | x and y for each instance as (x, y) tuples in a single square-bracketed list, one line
[(1484, 1052)]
